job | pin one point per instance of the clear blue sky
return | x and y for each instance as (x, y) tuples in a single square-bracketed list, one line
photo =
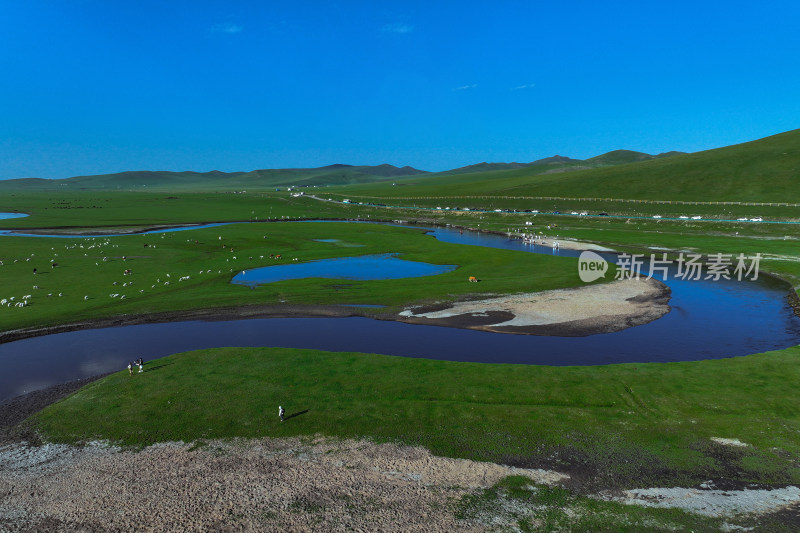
[(90, 87)]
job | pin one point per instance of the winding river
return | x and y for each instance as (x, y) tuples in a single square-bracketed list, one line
[(709, 320)]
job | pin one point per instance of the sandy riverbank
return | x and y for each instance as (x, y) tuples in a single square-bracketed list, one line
[(574, 312)]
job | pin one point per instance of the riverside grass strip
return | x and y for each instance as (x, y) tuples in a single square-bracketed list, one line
[(616, 425)]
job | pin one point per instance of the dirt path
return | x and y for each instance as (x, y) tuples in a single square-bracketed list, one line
[(255, 485)]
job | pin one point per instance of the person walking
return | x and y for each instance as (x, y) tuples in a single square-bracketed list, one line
[(281, 412), (130, 368), (141, 364)]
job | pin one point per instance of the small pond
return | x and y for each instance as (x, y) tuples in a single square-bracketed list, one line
[(364, 267), (12, 215)]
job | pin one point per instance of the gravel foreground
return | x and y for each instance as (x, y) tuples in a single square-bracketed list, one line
[(254, 485)]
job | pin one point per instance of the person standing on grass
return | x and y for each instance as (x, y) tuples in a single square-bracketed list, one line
[(281, 412), (141, 363), (130, 368)]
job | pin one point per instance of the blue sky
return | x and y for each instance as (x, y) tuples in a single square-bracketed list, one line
[(93, 87)]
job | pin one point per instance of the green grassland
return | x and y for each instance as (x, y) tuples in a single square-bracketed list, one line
[(95, 266), (608, 426), (113, 209), (592, 207)]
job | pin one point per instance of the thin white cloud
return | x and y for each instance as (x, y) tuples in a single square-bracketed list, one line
[(521, 87), (398, 27), (465, 87), (227, 27)]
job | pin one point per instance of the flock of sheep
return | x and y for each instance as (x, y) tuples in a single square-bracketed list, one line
[(92, 243)]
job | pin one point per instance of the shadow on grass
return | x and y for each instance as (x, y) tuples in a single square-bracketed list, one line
[(295, 414), (156, 367)]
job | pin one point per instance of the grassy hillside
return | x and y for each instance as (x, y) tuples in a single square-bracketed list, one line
[(766, 170)]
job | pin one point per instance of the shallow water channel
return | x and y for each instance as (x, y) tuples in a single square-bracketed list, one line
[(708, 320)]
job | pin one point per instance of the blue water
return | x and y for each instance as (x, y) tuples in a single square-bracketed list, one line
[(708, 320), (12, 215), (363, 267), (16, 233)]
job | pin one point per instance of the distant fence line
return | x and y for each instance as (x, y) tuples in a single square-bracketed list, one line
[(584, 199)]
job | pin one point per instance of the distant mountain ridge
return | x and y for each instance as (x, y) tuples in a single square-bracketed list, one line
[(335, 174), (558, 163)]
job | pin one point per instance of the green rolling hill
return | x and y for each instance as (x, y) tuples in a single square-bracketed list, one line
[(765, 170)]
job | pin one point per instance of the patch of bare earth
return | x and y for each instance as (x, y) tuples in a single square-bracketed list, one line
[(578, 311), (709, 501), (254, 485)]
